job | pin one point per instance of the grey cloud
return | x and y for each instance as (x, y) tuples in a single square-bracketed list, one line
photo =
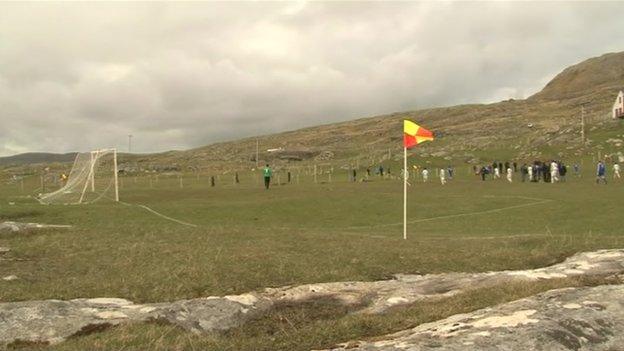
[(76, 76)]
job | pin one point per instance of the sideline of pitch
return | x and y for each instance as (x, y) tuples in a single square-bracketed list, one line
[(536, 201), (160, 214)]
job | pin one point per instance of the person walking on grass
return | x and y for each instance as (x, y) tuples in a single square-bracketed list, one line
[(601, 171), (554, 171), (267, 173), (496, 172), (483, 172), (509, 174), (616, 171), (563, 170), (546, 172), (425, 174), (442, 176)]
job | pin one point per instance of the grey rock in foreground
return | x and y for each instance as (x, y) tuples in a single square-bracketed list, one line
[(52, 321), (406, 289), (558, 320), (18, 226)]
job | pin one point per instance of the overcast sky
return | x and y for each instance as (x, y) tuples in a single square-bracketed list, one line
[(80, 76)]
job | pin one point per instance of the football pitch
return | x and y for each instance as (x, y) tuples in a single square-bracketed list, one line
[(175, 239)]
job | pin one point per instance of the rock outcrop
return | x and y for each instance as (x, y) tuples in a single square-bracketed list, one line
[(558, 320), (51, 321), (17, 226), (379, 296)]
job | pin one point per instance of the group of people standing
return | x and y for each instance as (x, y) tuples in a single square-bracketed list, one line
[(496, 169), (601, 172), (547, 171), (443, 173), (552, 171)]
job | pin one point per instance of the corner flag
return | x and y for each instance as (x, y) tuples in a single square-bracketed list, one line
[(413, 134)]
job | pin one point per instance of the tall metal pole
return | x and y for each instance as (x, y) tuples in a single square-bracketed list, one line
[(92, 177), (257, 147), (116, 172), (583, 124), (405, 193), (129, 143), (583, 134)]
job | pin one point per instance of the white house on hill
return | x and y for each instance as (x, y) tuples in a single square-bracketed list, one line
[(618, 106)]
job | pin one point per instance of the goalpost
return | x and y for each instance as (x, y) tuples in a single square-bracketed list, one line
[(93, 177)]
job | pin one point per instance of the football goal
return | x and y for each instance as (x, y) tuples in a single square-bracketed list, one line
[(92, 177)]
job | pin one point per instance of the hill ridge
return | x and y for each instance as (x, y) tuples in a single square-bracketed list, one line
[(465, 133)]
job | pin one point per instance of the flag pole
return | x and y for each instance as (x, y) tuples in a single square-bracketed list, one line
[(405, 193)]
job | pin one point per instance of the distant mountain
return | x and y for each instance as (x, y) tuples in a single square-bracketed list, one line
[(545, 125), (598, 74), (36, 157)]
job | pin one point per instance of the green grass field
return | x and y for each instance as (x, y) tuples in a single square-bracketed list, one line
[(247, 238)]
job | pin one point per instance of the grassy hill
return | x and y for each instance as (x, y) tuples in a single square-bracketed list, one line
[(36, 157), (546, 124)]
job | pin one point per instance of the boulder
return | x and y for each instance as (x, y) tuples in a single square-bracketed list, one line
[(379, 296), (558, 320), (13, 227), (325, 156), (51, 321)]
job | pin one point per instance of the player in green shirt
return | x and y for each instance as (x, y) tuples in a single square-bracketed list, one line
[(268, 173)]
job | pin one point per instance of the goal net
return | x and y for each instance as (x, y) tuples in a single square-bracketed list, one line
[(92, 177)]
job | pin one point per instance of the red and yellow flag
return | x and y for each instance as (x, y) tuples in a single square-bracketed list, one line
[(413, 134)]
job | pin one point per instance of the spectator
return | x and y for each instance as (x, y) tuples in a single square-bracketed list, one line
[(483, 172), (601, 171), (524, 171)]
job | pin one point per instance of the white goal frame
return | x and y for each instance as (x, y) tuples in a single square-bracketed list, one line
[(74, 184), (91, 175)]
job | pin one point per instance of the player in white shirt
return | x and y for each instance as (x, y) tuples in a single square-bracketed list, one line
[(554, 172)]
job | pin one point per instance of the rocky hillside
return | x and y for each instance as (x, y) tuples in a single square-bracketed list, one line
[(36, 157), (546, 124), (597, 75)]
